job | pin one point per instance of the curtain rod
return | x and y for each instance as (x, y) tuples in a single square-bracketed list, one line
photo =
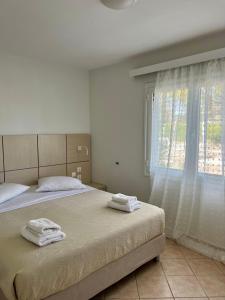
[(180, 62)]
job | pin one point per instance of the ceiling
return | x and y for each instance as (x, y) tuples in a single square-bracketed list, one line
[(84, 33)]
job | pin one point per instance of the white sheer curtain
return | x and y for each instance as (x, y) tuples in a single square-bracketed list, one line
[(188, 155)]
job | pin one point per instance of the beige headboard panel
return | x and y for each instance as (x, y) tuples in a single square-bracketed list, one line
[(26, 176), (58, 170), (1, 155), (82, 171), (1, 177), (20, 158), (25, 158), (20, 152), (1, 162), (78, 147), (52, 149)]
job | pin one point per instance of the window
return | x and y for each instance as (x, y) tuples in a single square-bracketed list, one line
[(210, 131), (187, 151), (172, 132), (188, 126)]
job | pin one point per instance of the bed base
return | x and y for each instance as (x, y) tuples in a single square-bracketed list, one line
[(111, 273)]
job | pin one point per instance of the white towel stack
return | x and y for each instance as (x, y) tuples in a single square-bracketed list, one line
[(42, 232), (124, 202)]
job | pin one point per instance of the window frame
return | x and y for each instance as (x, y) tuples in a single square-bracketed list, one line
[(148, 110)]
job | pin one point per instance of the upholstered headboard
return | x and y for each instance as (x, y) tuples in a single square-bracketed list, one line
[(25, 158)]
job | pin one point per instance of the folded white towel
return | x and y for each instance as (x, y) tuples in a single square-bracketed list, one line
[(37, 234), (43, 225), (42, 240), (125, 207), (124, 199)]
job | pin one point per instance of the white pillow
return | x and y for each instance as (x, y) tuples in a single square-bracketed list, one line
[(58, 183), (10, 190)]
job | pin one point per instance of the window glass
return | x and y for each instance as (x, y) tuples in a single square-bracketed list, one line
[(210, 130), (172, 128)]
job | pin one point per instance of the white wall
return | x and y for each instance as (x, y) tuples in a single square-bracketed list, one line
[(117, 110), (117, 130), (37, 97)]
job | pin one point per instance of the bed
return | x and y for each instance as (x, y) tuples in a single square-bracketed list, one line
[(102, 245)]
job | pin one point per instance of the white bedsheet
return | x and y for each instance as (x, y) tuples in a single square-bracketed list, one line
[(31, 197)]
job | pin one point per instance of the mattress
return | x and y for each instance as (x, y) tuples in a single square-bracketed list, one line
[(31, 197), (96, 236)]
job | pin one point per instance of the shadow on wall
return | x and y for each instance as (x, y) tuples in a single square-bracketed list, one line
[(203, 43)]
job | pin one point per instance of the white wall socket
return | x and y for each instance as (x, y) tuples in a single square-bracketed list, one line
[(74, 174), (79, 176), (79, 148), (79, 169)]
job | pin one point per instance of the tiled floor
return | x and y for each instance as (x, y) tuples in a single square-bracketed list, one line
[(181, 273)]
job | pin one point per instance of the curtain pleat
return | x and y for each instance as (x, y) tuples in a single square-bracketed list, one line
[(188, 154)]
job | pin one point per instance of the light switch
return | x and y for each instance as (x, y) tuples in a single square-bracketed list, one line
[(74, 174), (79, 148)]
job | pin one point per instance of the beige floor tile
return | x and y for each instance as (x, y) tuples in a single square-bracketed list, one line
[(213, 285), (153, 287), (185, 286), (178, 263), (188, 253), (221, 266), (152, 268), (125, 288), (176, 267), (192, 298), (204, 267), (157, 298), (172, 251)]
